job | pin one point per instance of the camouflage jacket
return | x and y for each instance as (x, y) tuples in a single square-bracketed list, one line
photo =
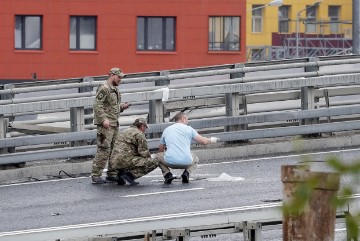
[(107, 105), (132, 142)]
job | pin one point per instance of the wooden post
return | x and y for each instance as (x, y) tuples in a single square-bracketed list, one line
[(322, 213), (317, 220)]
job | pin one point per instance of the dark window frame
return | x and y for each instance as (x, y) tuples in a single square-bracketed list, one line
[(163, 37), (78, 48), (257, 15), (284, 21), (224, 46), (310, 23), (334, 27), (23, 28)]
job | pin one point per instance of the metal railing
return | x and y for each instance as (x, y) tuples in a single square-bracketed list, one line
[(252, 221), (234, 102)]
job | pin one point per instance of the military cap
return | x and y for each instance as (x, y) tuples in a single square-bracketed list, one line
[(117, 72), (141, 121)]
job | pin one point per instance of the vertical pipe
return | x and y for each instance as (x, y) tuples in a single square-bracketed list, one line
[(297, 35), (356, 27)]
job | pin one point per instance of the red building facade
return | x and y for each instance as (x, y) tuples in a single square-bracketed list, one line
[(54, 39)]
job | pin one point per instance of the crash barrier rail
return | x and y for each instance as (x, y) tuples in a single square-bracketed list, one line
[(250, 220), (224, 105)]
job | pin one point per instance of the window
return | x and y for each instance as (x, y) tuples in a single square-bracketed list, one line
[(82, 33), (224, 33), (28, 31), (334, 12), (284, 19), (311, 13), (257, 18), (156, 33)]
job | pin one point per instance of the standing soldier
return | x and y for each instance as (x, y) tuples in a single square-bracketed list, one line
[(131, 156), (107, 110)]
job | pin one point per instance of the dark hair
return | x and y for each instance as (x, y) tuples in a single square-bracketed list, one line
[(179, 116)]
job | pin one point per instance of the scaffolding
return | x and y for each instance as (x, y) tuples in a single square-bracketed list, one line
[(310, 44)]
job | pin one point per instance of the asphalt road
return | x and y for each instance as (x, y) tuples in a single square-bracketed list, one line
[(233, 183)]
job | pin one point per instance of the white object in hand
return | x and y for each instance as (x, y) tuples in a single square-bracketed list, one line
[(153, 156), (214, 139)]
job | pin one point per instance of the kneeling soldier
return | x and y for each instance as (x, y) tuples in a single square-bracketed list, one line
[(131, 156)]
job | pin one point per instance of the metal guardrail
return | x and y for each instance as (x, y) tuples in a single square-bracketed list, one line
[(251, 220), (171, 222), (232, 97)]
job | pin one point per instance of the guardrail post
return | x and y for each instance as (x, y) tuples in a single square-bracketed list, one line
[(234, 102), (308, 98), (317, 220), (4, 122), (156, 107), (77, 123), (87, 110), (3, 127), (252, 231), (179, 234), (147, 236), (327, 102)]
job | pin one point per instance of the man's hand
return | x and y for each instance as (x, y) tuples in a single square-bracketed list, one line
[(106, 123), (125, 105), (214, 139)]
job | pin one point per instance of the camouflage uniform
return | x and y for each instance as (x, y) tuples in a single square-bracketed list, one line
[(106, 106), (131, 153)]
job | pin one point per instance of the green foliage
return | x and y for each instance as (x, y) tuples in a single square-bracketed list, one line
[(352, 225), (298, 205)]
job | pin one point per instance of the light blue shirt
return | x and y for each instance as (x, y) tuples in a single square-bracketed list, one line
[(177, 139)]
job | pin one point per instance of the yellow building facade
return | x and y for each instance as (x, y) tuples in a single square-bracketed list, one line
[(274, 31)]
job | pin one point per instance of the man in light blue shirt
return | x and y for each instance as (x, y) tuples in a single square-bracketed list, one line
[(176, 140)]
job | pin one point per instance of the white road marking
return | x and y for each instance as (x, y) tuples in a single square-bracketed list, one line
[(155, 193), (340, 229), (279, 157), (39, 182)]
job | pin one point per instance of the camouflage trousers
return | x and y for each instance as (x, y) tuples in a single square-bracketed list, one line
[(165, 167), (136, 165), (105, 142)]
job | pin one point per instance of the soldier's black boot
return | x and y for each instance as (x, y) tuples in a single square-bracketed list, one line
[(128, 177), (185, 177), (120, 181), (169, 178)]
